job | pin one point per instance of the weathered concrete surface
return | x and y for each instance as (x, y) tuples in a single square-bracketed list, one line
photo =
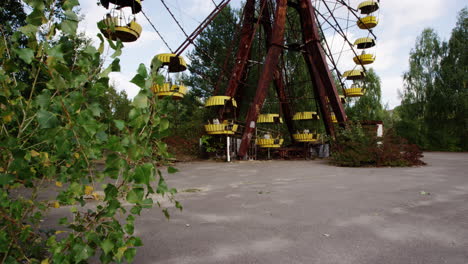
[(310, 212)]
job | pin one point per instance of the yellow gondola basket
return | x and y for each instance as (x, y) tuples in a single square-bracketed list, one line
[(126, 33), (333, 118), (175, 63), (221, 129), (354, 92), (306, 137), (219, 101), (367, 22), (269, 118), (354, 75), (270, 142), (134, 4), (368, 7), (306, 116), (364, 59), (365, 43), (167, 89)]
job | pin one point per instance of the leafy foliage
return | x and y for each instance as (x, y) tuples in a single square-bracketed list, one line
[(56, 123), (369, 106), (434, 100), (213, 47), (356, 146)]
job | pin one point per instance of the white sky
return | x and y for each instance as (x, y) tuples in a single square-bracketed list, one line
[(401, 21)]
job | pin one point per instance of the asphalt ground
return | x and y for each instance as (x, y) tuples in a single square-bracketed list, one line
[(312, 212)]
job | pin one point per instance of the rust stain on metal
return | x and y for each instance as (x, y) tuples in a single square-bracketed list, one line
[(271, 63)]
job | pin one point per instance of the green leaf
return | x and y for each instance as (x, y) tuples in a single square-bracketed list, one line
[(69, 4), (115, 65), (107, 246), (43, 100), (142, 71), (135, 195), (129, 228), (36, 18), (119, 124), (56, 52), (118, 49), (26, 54), (139, 81), (69, 26), (178, 205), (164, 125), (46, 119), (134, 242), (111, 192), (29, 30), (130, 254), (6, 179), (144, 174), (136, 210), (166, 213), (172, 170), (101, 44), (140, 101), (162, 186), (95, 109), (81, 252)]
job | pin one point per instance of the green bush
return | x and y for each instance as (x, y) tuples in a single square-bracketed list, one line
[(52, 134), (356, 147)]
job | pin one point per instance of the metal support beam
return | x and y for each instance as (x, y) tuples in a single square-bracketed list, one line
[(245, 44), (278, 77), (323, 81), (271, 63)]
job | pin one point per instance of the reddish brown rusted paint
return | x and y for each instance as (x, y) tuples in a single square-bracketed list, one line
[(270, 65), (278, 76), (320, 72), (245, 44)]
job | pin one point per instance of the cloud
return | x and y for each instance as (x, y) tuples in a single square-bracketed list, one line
[(400, 22), (390, 87), (121, 82)]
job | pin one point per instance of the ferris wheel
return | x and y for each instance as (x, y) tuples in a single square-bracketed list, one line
[(315, 53)]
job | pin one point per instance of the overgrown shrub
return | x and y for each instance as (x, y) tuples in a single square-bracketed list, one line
[(356, 147), (52, 133)]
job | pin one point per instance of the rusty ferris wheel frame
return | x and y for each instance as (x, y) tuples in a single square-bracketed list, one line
[(274, 26)]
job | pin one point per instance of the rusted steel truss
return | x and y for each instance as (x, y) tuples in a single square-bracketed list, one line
[(278, 77), (321, 76), (245, 45), (269, 67)]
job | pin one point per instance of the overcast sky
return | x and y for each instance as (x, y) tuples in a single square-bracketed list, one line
[(401, 21)]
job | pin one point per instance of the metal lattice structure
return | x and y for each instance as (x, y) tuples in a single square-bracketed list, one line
[(322, 31)]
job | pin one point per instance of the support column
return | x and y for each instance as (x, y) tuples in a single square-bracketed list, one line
[(245, 44), (271, 63), (323, 81), (278, 77)]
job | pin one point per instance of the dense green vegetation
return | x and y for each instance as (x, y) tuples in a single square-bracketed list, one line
[(434, 107), (358, 146), (70, 144), (369, 106)]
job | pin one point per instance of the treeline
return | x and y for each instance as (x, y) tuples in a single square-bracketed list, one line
[(434, 106)]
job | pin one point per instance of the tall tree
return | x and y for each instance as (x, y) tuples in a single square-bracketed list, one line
[(419, 82), (448, 103), (215, 46), (434, 101)]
